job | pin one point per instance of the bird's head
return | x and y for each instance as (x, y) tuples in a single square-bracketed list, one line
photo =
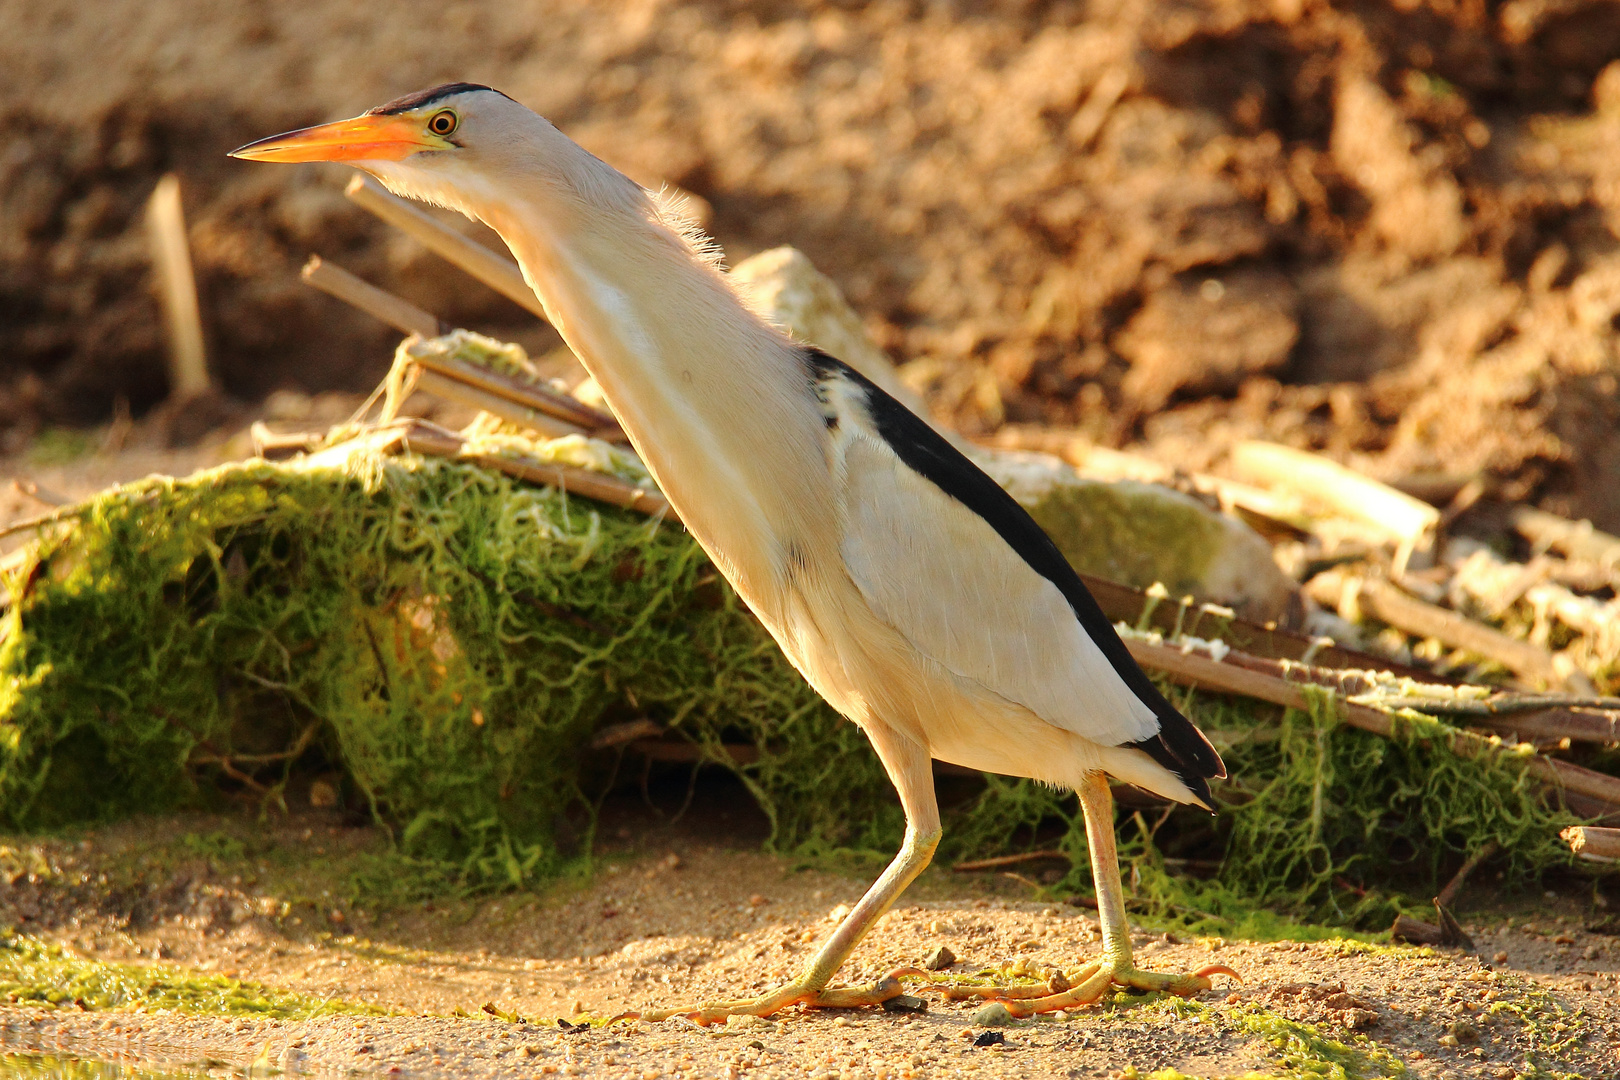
[(452, 145)]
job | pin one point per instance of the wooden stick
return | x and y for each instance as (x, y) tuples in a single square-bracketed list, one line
[(431, 382), (1346, 492), (538, 398), (1416, 931), (1536, 715), (1122, 603), (1454, 886), (380, 304), (1387, 603), (592, 485), (1589, 842), (1007, 860), (1227, 677), (1573, 724), (275, 446), (496, 271), (177, 289), (1576, 540)]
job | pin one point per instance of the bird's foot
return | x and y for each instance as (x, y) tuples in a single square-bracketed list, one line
[(1087, 985), (794, 993)]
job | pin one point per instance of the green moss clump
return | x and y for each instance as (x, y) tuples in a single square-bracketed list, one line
[(1133, 533), (33, 972), (451, 639)]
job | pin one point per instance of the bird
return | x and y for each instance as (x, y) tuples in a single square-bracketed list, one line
[(907, 587)]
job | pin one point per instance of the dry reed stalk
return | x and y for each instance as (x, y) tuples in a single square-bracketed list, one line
[(430, 381), (1228, 677), (1352, 596), (1409, 522), (1576, 540), (1593, 843), (437, 442), (999, 861), (177, 290), (380, 304), (496, 271), (531, 396)]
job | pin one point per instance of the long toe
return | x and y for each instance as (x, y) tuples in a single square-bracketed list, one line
[(1091, 982), (1180, 985), (794, 993), (854, 997), (1057, 982)]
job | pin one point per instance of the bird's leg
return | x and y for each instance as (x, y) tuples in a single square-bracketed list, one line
[(908, 766), (1116, 966)]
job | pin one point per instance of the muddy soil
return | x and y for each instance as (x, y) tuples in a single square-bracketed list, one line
[(692, 910), (1381, 229)]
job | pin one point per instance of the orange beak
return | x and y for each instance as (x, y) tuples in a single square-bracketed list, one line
[(364, 138)]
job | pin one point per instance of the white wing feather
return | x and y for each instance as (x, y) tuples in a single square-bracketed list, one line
[(945, 579)]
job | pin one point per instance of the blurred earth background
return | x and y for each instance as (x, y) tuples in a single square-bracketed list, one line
[(1384, 230)]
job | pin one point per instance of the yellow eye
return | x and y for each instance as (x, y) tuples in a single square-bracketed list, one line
[(442, 123)]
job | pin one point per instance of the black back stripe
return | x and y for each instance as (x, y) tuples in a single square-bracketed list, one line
[(1179, 746), (426, 97)]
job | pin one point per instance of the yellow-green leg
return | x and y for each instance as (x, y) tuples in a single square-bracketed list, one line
[(908, 766), (1087, 984)]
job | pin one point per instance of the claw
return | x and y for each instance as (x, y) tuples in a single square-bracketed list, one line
[(1216, 969), (844, 997)]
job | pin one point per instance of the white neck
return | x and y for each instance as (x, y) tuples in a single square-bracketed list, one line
[(717, 403)]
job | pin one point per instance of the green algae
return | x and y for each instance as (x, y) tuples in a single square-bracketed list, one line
[(1302, 1051), (1552, 1030), (33, 972)]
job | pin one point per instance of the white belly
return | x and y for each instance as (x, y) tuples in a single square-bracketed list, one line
[(871, 674)]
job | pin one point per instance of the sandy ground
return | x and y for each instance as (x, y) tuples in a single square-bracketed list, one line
[(677, 914)]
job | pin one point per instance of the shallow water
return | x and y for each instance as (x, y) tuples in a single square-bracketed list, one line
[(58, 1067)]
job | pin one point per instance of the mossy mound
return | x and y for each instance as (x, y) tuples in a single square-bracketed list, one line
[(452, 639)]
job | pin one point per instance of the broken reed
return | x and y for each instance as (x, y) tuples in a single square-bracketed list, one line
[(452, 639)]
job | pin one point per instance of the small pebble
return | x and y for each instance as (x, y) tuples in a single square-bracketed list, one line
[(994, 1014), (905, 1003), (939, 959), (1448, 1040), (1499, 958)]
